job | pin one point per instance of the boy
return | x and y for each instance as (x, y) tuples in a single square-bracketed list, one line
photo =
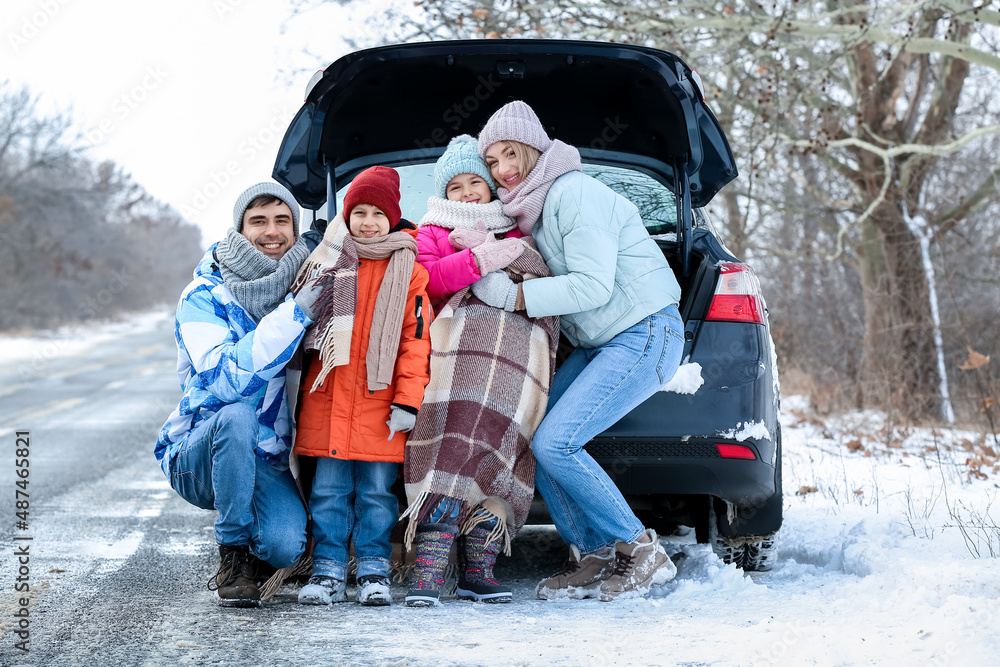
[(364, 384)]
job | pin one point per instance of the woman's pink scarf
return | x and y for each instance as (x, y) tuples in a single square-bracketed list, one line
[(524, 203)]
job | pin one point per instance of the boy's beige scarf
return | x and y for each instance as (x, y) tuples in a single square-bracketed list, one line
[(335, 263)]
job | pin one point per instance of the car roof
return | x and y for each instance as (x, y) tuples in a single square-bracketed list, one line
[(406, 101)]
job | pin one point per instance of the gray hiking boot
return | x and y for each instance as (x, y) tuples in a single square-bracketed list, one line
[(321, 589), (580, 577), (234, 582), (638, 566)]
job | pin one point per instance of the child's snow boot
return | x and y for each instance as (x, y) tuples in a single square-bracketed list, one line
[(432, 544), (476, 560), (373, 591), (321, 589)]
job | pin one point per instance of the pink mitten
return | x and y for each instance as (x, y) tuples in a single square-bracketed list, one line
[(470, 238), (497, 255)]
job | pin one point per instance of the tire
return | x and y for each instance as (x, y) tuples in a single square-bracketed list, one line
[(751, 554), (755, 549)]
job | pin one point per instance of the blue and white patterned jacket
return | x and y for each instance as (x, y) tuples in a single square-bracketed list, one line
[(224, 357)]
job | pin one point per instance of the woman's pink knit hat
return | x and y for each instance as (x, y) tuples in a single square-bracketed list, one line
[(514, 121)]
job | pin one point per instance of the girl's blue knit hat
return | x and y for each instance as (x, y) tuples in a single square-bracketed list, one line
[(461, 157)]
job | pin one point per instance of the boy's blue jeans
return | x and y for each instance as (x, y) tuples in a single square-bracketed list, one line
[(351, 500), (593, 389), (258, 505)]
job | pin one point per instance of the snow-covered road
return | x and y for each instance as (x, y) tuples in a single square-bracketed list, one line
[(871, 568)]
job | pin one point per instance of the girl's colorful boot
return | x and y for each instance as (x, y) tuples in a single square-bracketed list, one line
[(475, 568), (432, 544)]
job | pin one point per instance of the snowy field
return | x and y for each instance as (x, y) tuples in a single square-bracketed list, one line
[(888, 555)]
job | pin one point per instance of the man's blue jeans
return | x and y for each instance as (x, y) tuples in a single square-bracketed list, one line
[(351, 500), (593, 389), (258, 505)]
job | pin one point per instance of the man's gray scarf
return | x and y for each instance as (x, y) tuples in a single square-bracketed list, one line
[(258, 282)]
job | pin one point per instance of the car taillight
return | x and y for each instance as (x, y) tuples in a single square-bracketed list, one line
[(737, 296), (735, 451)]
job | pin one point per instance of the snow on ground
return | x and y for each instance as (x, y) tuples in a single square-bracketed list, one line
[(872, 566), (32, 353)]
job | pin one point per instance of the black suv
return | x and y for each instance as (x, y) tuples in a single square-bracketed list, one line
[(706, 451)]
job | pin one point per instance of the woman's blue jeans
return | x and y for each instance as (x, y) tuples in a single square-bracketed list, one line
[(593, 389), (352, 501), (258, 505)]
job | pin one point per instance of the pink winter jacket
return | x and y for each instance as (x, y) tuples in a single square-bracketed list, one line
[(450, 269)]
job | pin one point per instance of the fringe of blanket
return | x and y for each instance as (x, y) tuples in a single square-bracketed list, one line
[(302, 566), (491, 508), (483, 514)]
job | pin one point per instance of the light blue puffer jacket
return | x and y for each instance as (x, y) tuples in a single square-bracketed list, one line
[(608, 273), (224, 356)]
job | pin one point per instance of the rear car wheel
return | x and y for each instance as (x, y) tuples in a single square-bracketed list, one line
[(747, 539), (751, 554)]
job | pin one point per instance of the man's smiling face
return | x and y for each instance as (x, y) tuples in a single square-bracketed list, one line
[(269, 228)]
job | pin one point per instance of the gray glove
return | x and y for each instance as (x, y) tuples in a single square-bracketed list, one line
[(307, 297), (400, 421), (496, 289)]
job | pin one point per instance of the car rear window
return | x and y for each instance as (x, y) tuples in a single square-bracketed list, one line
[(654, 201)]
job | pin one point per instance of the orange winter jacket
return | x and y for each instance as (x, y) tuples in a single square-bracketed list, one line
[(342, 418)]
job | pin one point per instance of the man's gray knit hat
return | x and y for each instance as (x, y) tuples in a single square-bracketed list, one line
[(265, 188)]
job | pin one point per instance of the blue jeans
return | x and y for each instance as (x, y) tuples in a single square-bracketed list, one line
[(258, 505), (593, 389), (351, 500)]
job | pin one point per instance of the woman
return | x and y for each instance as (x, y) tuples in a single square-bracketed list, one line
[(618, 300)]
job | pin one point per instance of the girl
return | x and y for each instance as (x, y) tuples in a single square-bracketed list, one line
[(469, 472), (618, 300), (365, 384)]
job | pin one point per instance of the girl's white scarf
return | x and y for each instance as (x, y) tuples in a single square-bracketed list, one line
[(463, 215)]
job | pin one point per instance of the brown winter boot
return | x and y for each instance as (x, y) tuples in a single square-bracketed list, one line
[(234, 582), (638, 565), (580, 577)]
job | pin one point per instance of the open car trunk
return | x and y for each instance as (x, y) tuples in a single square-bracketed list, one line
[(619, 104)]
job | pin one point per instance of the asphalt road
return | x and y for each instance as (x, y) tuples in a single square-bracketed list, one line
[(118, 562)]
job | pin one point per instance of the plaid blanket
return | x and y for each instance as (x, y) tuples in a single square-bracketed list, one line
[(490, 376)]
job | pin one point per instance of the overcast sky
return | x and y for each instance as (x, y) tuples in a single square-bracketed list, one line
[(190, 96)]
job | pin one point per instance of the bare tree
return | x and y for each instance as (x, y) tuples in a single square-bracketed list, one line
[(88, 242)]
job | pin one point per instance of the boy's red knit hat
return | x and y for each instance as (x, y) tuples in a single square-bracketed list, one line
[(378, 186)]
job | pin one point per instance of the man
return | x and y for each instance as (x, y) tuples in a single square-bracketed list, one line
[(226, 445)]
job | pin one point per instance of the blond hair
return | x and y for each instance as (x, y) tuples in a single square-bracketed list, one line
[(525, 155)]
